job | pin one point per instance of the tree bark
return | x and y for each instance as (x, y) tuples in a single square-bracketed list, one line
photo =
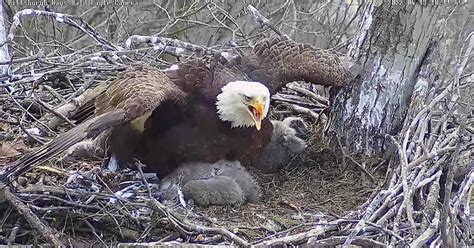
[(392, 45), (4, 55)]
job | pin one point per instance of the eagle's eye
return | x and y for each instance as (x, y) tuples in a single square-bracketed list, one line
[(247, 98)]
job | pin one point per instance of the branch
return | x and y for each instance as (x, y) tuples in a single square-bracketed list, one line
[(295, 238), (308, 93), (184, 226), (47, 233), (172, 46), (337, 240), (61, 18), (70, 108), (313, 115), (407, 199), (446, 209), (263, 21), (426, 235)]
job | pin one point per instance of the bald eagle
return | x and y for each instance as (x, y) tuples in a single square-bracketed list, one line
[(201, 111)]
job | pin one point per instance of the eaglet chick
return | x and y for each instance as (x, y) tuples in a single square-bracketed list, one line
[(286, 142), (220, 183)]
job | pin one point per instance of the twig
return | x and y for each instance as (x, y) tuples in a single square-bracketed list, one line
[(367, 213), (431, 155), (94, 232), (172, 46), (313, 115), (61, 18), (431, 203), (383, 229), (262, 20), (372, 178), (426, 235), (407, 199), (446, 209), (22, 60), (56, 113), (338, 240), (306, 92), (46, 232), (161, 244), (186, 227), (294, 100), (11, 238)]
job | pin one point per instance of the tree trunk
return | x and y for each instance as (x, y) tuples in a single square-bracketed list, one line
[(392, 44), (4, 56)]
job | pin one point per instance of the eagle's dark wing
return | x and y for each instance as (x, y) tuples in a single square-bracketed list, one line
[(87, 109), (206, 77), (276, 61), (85, 112), (131, 96)]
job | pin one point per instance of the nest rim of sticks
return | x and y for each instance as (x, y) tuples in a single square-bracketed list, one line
[(284, 209)]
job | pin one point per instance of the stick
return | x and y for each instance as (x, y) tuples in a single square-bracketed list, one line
[(372, 178), (47, 233), (446, 209), (61, 18), (426, 235), (338, 240), (262, 20), (172, 46), (308, 93), (296, 238), (184, 226), (407, 199), (313, 115)]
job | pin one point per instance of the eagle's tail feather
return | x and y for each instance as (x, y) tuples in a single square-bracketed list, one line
[(61, 143), (88, 109), (85, 112), (105, 121), (56, 146)]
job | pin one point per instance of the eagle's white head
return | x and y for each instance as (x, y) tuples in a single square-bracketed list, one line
[(243, 103)]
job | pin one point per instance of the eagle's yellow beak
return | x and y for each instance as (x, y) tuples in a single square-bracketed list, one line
[(256, 108)]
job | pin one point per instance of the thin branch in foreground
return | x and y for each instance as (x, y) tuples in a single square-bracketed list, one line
[(183, 226), (446, 214), (407, 199), (47, 233)]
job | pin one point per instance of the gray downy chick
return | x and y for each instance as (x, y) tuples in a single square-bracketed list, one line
[(283, 146), (298, 124), (199, 179), (220, 190)]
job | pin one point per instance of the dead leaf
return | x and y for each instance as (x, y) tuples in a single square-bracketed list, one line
[(8, 150)]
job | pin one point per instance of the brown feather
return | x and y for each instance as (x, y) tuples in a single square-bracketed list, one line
[(84, 112), (197, 134), (206, 78), (87, 110), (278, 60), (132, 94)]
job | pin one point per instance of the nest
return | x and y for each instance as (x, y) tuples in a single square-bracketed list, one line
[(418, 194)]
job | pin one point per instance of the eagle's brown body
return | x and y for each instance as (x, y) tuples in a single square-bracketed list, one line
[(175, 115), (197, 135)]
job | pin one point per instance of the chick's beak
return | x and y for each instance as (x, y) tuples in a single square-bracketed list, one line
[(256, 109)]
